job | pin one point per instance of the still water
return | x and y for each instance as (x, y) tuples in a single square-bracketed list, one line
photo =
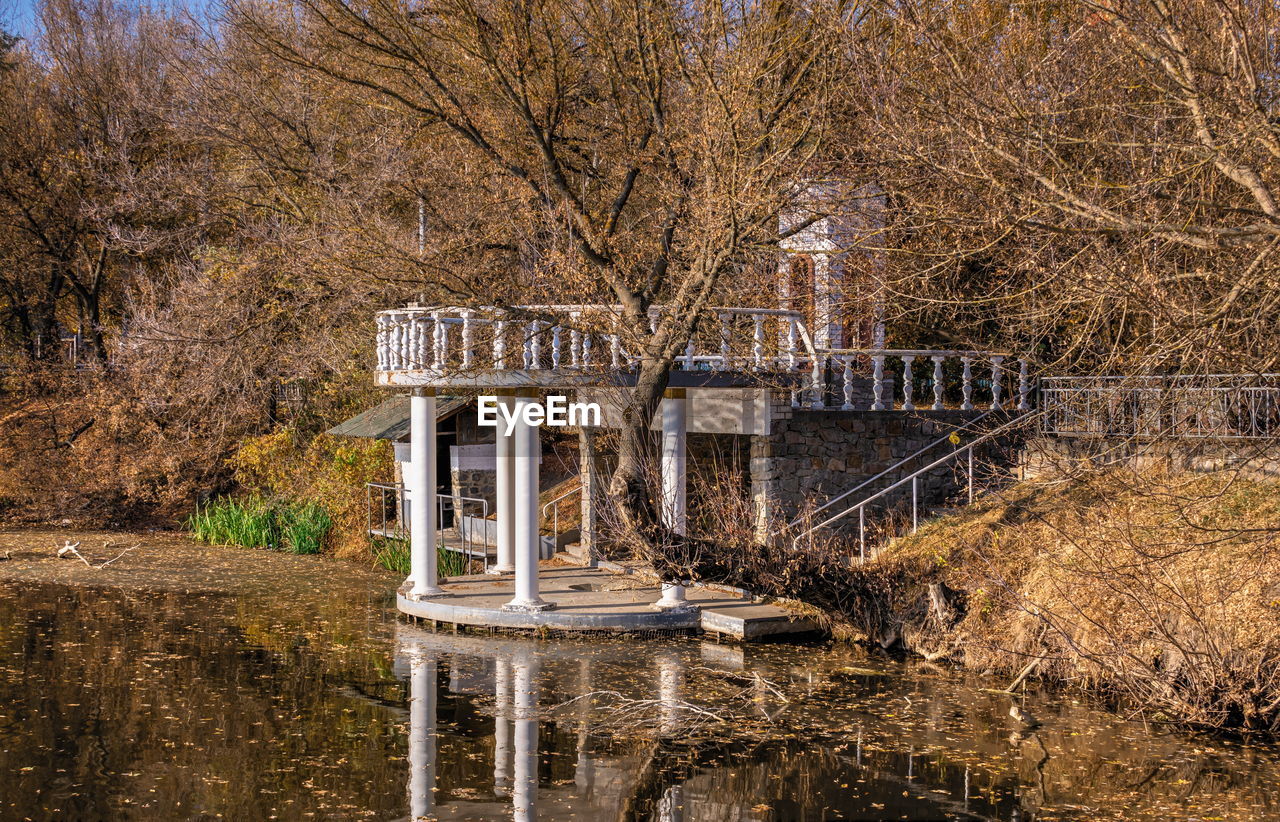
[(268, 687)]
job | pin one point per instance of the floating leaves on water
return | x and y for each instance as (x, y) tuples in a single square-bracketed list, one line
[(193, 682)]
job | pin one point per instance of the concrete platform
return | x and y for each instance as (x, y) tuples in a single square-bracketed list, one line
[(596, 600)]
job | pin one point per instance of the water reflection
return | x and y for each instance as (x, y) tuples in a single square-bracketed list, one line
[(576, 699), (292, 701)]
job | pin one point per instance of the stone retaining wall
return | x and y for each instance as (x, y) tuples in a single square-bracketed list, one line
[(815, 455)]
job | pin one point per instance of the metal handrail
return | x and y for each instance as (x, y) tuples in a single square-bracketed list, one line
[(555, 512), (400, 489), (892, 468), (913, 478), (468, 542)]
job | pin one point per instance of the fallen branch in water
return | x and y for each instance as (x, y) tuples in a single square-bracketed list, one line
[(70, 549), (122, 553), (625, 712)]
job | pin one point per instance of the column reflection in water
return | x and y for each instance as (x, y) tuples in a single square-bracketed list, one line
[(584, 772), (526, 726), (671, 806), (670, 681), (502, 726), (422, 735)]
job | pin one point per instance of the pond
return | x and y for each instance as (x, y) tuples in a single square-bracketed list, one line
[(186, 682)]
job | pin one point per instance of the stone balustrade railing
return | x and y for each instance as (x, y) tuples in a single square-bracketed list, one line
[(944, 379), (446, 341)]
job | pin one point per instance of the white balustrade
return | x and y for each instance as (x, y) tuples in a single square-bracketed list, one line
[(724, 342), (466, 339), (966, 383), (877, 382), (908, 383), (937, 381), (499, 345), (380, 341), (757, 348), (419, 339), (437, 341), (397, 344)]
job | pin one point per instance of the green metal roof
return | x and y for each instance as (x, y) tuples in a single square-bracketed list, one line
[(389, 420)]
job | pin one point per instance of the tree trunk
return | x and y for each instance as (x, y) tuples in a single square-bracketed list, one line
[(629, 484)]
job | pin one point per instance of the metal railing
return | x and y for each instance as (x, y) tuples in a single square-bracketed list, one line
[(1216, 406), (467, 543), (555, 514), (892, 468), (913, 479)]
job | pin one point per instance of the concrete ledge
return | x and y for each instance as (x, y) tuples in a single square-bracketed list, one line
[(557, 619), (585, 599), (597, 601), (748, 621)]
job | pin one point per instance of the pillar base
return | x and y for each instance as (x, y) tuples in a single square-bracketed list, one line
[(500, 569), (679, 606), (417, 594), (528, 607), (673, 598)]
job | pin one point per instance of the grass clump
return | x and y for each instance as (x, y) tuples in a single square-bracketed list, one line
[(394, 555), (298, 527)]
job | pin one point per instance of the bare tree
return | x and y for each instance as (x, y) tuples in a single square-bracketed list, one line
[(1099, 174), (662, 140)]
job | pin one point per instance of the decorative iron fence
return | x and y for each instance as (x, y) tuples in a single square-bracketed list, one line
[(1218, 406)]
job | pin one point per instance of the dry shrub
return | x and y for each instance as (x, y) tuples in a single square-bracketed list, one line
[(82, 446), (1162, 589)]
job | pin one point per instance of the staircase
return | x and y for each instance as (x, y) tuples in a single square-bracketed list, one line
[(877, 505)]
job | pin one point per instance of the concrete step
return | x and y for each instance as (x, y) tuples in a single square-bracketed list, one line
[(574, 551), (750, 620)]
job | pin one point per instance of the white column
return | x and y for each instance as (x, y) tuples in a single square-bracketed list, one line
[(525, 800), (528, 448), (825, 334), (506, 493), (422, 495), (502, 727), (674, 460), (422, 736)]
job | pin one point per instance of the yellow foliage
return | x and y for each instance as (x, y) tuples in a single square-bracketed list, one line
[(331, 471)]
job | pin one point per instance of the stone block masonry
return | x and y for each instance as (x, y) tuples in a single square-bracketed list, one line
[(812, 456)]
